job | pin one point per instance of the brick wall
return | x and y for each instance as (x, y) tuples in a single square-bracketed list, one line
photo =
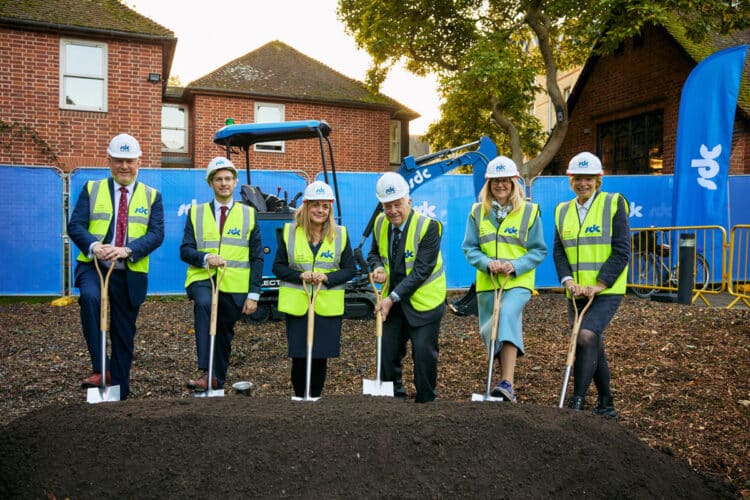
[(641, 79), (29, 97), (359, 137)]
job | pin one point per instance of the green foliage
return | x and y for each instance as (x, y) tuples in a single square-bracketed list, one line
[(487, 54)]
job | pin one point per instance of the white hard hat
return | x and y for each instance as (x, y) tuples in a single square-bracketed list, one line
[(391, 186), (318, 190), (124, 146), (502, 166), (585, 164), (219, 163)]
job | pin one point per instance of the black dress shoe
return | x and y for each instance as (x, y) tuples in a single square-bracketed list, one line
[(604, 407), (576, 403)]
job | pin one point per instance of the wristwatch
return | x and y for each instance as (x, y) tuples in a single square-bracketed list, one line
[(129, 251)]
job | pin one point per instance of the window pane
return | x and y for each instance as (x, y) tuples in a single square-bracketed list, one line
[(172, 117), (84, 60), (84, 92), (265, 114), (173, 140)]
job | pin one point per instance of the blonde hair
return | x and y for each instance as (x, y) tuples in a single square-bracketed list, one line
[(302, 219), (516, 197)]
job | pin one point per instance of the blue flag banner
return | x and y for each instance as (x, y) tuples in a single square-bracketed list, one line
[(704, 140)]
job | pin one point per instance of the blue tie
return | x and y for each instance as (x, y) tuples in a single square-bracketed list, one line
[(395, 241)]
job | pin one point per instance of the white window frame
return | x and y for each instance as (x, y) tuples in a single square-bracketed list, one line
[(395, 142), (64, 42), (184, 128), (272, 146)]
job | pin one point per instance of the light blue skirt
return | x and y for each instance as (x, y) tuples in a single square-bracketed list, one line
[(510, 328)]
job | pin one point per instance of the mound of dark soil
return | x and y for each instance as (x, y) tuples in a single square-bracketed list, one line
[(679, 378), (340, 446)]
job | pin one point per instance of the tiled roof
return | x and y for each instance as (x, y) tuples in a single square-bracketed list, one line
[(108, 15), (713, 43), (278, 70)]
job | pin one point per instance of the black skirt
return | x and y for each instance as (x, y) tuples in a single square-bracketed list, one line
[(326, 339)]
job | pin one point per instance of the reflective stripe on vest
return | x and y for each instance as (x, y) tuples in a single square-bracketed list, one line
[(588, 245), (101, 213), (292, 297), (233, 245), (432, 291), (510, 240)]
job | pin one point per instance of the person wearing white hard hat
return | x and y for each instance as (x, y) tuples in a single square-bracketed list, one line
[(118, 221), (591, 254), (504, 239), (315, 250), (405, 256), (220, 234)]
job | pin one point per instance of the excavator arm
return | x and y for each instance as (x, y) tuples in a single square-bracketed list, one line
[(419, 171)]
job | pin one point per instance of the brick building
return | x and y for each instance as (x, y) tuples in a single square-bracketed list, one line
[(75, 73), (624, 107)]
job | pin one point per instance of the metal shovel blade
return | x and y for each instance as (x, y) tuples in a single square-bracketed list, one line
[(103, 394), (377, 388), (309, 398), (211, 393), (486, 397)]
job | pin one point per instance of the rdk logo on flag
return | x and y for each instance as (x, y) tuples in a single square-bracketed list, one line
[(704, 140)]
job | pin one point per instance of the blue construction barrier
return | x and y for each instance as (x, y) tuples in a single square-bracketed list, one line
[(31, 231), (447, 198), (180, 188)]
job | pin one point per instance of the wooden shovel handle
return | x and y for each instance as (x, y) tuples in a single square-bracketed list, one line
[(311, 296), (215, 298), (578, 319), (104, 293), (378, 314)]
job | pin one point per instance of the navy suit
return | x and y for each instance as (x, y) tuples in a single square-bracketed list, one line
[(405, 323), (229, 304), (127, 289)]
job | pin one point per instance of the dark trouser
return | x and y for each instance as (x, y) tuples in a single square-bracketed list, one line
[(227, 315), (424, 350), (121, 325), (318, 369)]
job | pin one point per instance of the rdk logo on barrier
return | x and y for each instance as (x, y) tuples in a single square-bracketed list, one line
[(426, 209), (635, 210), (185, 208), (707, 166)]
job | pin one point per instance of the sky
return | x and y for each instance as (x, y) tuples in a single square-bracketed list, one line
[(211, 33)]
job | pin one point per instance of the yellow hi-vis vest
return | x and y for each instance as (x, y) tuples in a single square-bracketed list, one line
[(101, 212), (588, 245), (509, 241), (432, 292), (292, 297), (233, 245)]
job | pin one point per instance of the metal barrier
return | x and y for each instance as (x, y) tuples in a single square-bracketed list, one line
[(739, 266), (654, 260)]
